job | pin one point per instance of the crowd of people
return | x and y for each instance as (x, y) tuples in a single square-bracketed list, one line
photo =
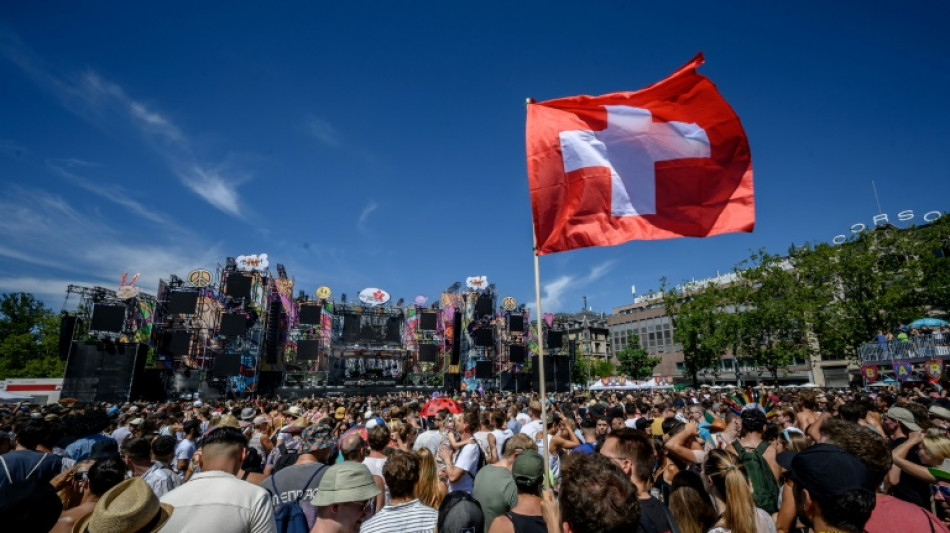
[(692, 461)]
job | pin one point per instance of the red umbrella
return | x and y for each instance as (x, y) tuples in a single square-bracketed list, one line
[(432, 407)]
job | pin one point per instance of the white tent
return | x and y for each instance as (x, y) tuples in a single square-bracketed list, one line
[(613, 385)]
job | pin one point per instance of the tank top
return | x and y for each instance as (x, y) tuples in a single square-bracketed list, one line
[(481, 438), (526, 524), (555, 461)]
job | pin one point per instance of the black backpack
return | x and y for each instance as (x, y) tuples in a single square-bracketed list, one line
[(286, 458)]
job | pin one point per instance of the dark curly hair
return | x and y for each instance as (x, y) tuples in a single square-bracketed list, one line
[(596, 496)]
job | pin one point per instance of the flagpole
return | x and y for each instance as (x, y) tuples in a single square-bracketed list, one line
[(541, 380)]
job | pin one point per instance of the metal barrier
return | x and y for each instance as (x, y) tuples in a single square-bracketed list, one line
[(913, 350)]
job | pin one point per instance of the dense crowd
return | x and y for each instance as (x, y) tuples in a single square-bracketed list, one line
[(693, 461)]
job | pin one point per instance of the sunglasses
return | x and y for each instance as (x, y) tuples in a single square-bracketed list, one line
[(944, 491)]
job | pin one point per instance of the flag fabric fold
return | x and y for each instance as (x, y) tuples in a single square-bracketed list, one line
[(670, 160)]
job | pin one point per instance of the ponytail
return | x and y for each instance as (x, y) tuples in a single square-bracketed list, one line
[(740, 506)]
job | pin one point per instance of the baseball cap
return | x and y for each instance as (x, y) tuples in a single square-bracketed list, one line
[(904, 417), (528, 468), (319, 437), (136, 421), (375, 421), (826, 471), (939, 412), (345, 482), (293, 411), (340, 413), (248, 413), (460, 513), (261, 420)]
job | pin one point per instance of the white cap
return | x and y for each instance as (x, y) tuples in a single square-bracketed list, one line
[(198, 403)]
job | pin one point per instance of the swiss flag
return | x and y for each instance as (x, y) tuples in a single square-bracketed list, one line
[(670, 160)]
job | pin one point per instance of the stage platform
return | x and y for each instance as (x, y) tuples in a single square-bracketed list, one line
[(335, 391)]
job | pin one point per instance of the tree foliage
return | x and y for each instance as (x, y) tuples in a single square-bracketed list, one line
[(29, 338), (634, 361)]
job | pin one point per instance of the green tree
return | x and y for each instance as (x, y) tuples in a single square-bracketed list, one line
[(29, 338), (581, 371), (698, 315), (634, 361), (603, 368)]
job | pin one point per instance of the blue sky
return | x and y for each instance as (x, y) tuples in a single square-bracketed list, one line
[(381, 144)]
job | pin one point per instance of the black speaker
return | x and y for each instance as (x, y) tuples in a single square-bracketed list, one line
[(483, 370), (226, 365), (96, 375), (562, 374), (484, 337), (177, 343), (456, 337), (368, 333), (307, 350), (182, 302), (548, 374), (516, 353), (238, 286), (515, 322), (428, 353), (233, 325), (109, 318), (268, 383), (67, 329), (351, 327), (506, 381), (394, 329), (483, 306), (272, 342), (428, 321), (555, 339), (453, 382), (310, 314)]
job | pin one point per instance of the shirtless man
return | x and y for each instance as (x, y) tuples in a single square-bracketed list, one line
[(806, 415), (91, 482)]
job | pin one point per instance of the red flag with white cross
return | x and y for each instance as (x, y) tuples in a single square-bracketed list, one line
[(670, 160)]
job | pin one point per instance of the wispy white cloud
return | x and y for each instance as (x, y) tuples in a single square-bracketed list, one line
[(364, 215), (323, 131), (109, 106), (555, 294)]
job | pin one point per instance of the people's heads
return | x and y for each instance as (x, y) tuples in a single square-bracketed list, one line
[(131, 505), (345, 495), (695, 413), (725, 474), (105, 474), (223, 449), (808, 400), (899, 418), (378, 437), (861, 442), (517, 444), (832, 487), (470, 420), (318, 441), (689, 503), (616, 418), (535, 408), (934, 448), (401, 473), (163, 448), (633, 451), (603, 427), (32, 432), (753, 421), (460, 513), (191, 428), (137, 451), (528, 472), (792, 439), (596, 496), (353, 447)]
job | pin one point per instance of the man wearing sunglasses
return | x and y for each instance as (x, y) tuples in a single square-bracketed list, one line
[(344, 499)]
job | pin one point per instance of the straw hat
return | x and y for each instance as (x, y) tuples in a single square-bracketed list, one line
[(129, 506)]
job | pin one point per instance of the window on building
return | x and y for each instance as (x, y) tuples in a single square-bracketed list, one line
[(679, 366)]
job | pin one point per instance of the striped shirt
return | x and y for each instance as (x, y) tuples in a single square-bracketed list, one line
[(409, 517)]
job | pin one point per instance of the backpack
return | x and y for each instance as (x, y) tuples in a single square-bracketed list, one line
[(286, 458), (290, 515), (764, 487)]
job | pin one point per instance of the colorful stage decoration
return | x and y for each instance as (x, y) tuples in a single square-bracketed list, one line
[(126, 292), (509, 303), (326, 325), (252, 263), (477, 283), (145, 310), (870, 372), (374, 296), (934, 368), (200, 277), (323, 292), (549, 319), (903, 371)]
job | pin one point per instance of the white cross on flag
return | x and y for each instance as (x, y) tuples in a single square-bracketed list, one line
[(670, 160)]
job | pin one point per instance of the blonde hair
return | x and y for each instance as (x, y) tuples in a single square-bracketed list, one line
[(691, 511), (937, 445), (728, 479), (228, 421), (428, 488)]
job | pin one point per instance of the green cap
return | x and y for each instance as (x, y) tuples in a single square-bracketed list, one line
[(528, 468), (345, 482)]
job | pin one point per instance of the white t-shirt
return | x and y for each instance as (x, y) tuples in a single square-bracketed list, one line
[(466, 459), (500, 437), (375, 465), (184, 451), (532, 428)]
